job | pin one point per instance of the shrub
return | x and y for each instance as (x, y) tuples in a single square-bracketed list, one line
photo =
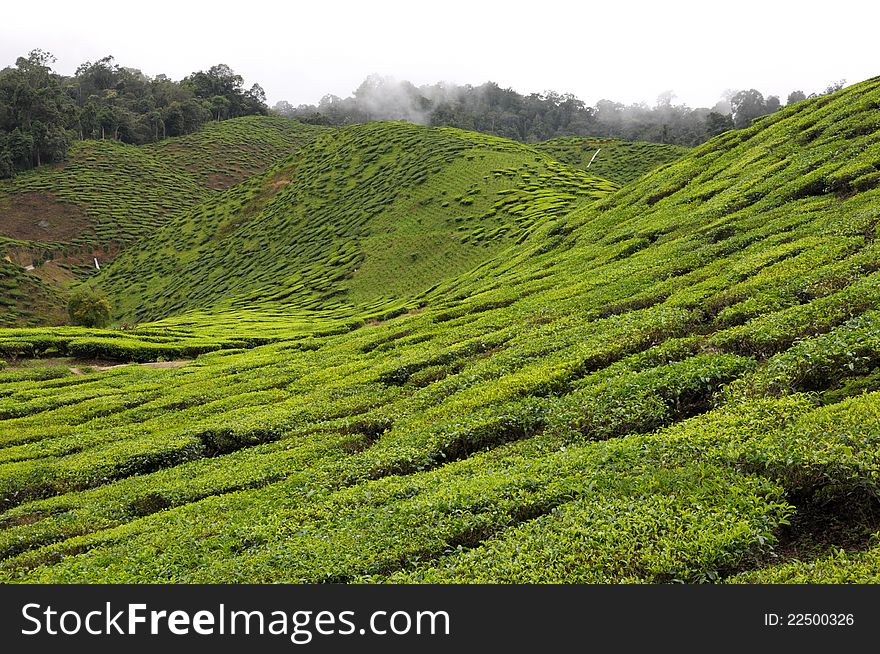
[(89, 308)]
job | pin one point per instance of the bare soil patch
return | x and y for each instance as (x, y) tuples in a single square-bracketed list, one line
[(40, 216)]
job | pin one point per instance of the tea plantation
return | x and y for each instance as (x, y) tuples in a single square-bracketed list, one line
[(368, 214), (424, 355), (109, 195), (619, 161)]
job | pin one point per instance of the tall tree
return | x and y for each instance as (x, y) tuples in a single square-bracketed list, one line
[(717, 123), (746, 106), (35, 113)]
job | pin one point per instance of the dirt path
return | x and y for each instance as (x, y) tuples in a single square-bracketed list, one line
[(154, 364)]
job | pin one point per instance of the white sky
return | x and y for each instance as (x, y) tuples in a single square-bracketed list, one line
[(626, 51)]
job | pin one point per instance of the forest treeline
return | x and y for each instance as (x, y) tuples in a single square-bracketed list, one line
[(537, 117), (42, 112)]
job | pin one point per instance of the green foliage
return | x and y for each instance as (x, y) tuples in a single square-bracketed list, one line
[(749, 105), (224, 91), (619, 161), (35, 114), (89, 308)]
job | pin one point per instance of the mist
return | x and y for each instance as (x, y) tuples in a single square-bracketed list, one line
[(537, 116)]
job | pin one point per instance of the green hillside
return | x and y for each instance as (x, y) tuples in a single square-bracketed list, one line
[(109, 195), (620, 161), (679, 381), (225, 153), (369, 215)]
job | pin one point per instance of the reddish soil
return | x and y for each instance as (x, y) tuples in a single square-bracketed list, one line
[(40, 216)]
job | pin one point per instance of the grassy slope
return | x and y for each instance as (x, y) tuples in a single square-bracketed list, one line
[(369, 215), (109, 195), (672, 383), (619, 161), (223, 154)]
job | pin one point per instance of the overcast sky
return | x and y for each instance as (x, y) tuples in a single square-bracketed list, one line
[(623, 50)]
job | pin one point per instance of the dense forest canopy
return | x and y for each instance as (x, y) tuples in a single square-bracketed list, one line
[(538, 116), (41, 112)]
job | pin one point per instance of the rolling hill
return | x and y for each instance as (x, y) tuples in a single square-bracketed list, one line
[(367, 215), (676, 381), (619, 161), (109, 195)]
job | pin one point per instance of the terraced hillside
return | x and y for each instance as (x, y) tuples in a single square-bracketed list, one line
[(620, 161), (677, 382), (108, 195), (366, 216), (225, 153)]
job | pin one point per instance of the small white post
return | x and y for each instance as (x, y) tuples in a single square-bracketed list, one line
[(594, 156), (97, 265)]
